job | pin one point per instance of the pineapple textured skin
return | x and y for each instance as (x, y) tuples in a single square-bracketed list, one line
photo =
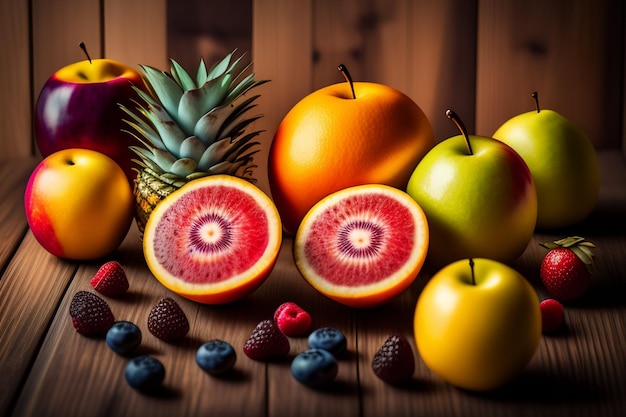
[(149, 191)]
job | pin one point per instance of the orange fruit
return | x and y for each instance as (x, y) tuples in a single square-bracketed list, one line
[(214, 240), (330, 141), (363, 245)]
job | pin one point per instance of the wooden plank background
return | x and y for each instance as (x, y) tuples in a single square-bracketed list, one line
[(481, 58)]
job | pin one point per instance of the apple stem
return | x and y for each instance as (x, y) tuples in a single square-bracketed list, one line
[(84, 48), (344, 70), (471, 264), (457, 121), (535, 95)]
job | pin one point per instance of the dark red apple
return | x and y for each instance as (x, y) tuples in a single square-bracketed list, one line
[(78, 107)]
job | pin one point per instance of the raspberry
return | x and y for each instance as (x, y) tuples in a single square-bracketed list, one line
[(551, 315), (91, 315), (291, 319), (167, 321), (266, 342), (394, 362), (110, 279)]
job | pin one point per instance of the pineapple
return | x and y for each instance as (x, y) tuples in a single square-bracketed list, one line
[(191, 128)]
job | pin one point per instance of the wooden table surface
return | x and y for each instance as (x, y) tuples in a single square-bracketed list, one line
[(47, 369)]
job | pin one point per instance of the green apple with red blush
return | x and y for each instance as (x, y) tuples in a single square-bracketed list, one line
[(78, 107), (479, 198), (563, 163)]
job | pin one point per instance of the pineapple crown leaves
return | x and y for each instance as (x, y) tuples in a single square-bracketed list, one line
[(582, 248), (191, 128), (219, 158), (187, 100)]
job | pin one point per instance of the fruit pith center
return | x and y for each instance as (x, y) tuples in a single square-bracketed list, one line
[(211, 233), (360, 239)]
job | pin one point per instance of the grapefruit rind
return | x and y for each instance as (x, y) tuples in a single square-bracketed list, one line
[(415, 239), (232, 287)]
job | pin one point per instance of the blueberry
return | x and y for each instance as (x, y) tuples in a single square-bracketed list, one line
[(329, 339), (216, 357), (144, 373), (123, 337), (314, 367)]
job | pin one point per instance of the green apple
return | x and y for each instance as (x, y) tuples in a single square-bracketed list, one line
[(477, 324), (563, 163), (478, 196)]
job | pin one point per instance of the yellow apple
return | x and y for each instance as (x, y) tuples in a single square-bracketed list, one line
[(477, 324), (79, 204)]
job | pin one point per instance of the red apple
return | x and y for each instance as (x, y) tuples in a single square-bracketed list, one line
[(78, 108), (79, 204)]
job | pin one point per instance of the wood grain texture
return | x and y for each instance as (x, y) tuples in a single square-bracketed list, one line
[(571, 54), (208, 29), (340, 397), (55, 371), (424, 49), (30, 289), (187, 389), (58, 28), (623, 115), (282, 53), (135, 32), (416, 47), (15, 96), (370, 38), (442, 51), (477, 57), (13, 224)]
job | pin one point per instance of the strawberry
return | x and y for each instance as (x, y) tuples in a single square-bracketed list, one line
[(91, 315), (167, 321), (266, 342), (394, 362), (110, 279), (291, 319), (566, 268), (551, 315)]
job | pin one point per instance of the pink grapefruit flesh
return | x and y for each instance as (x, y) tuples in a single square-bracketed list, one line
[(363, 245), (215, 240)]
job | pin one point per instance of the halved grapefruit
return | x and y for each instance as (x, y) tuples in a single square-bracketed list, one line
[(214, 241), (363, 245)]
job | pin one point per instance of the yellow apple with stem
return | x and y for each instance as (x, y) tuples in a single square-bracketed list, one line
[(477, 324), (563, 163)]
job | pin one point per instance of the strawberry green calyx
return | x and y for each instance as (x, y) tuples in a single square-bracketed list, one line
[(582, 248)]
